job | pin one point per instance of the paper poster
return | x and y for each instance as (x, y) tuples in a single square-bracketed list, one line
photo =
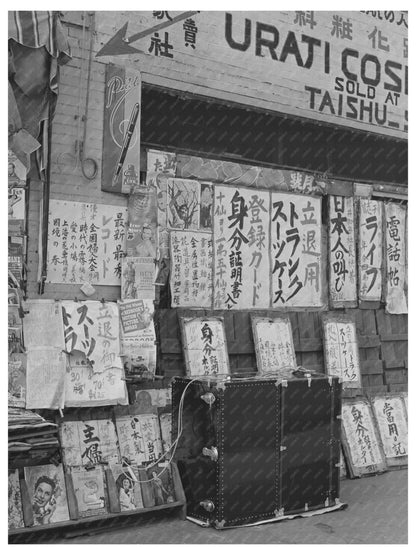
[(17, 380), (92, 327), (128, 488), (341, 350), (15, 511), (341, 246), (183, 203), (86, 242), (42, 324), (86, 387), (166, 430), (191, 274), (390, 415), (89, 442), (138, 278), (370, 249), (207, 206), (89, 491), (204, 345), (363, 450), (161, 166), (273, 342), (396, 265), (121, 132), (153, 398), (47, 491), (162, 484), (241, 248), (139, 437), (16, 171), (296, 251), (138, 338), (15, 258), (16, 210), (142, 221), (45, 378)]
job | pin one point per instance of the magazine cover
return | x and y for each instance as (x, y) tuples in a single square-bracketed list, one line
[(128, 487), (162, 483), (15, 502), (17, 380), (89, 491)]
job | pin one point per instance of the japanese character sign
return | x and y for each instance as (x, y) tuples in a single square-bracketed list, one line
[(389, 411), (86, 243), (341, 349), (370, 250), (396, 262), (92, 327), (341, 243), (241, 248), (362, 441), (204, 345), (296, 251), (191, 268), (273, 342), (139, 437)]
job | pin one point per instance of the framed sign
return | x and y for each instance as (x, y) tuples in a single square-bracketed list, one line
[(390, 415), (204, 346), (361, 440), (273, 342), (341, 349)]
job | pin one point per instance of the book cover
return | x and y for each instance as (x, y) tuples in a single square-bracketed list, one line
[(46, 487), (15, 511)]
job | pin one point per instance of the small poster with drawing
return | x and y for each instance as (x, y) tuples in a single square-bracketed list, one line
[(89, 491)]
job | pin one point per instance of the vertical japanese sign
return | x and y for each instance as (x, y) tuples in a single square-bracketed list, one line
[(396, 268), (296, 251), (191, 269), (342, 261), (86, 243), (241, 248), (121, 135), (370, 249), (363, 447), (92, 327), (273, 342), (389, 412), (139, 437), (205, 347), (341, 350)]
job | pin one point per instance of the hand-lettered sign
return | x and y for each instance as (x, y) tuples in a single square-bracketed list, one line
[(390, 415), (370, 249), (396, 261), (273, 342)]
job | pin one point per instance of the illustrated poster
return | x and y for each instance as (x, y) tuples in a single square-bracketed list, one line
[(241, 248), (138, 278), (191, 269), (45, 378), (296, 251), (341, 245), (396, 265), (89, 491), (86, 242), (46, 486), (142, 221), (183, 203), (42, 324), (273, 342), (204, 345), (390, 415), (154, 398), (370, 249)]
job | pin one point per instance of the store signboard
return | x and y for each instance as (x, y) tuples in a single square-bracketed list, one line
[(341, 67)]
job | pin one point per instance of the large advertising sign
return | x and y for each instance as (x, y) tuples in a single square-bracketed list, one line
[(346, 68)]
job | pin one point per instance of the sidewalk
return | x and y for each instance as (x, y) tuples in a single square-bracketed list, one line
[(376, 513)]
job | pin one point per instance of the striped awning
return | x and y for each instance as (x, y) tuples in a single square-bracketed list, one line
[(37, 29)]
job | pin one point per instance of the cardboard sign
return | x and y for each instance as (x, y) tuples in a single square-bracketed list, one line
[(204, 346), (396, 261), (86, 243), (390, 415), (121, 134), (273, 342), (139, 437), (370, 249), (241, 248), (191, 269), (42, 324)]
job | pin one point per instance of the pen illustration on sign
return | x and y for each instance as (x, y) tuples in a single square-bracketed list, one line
[(127, 139)]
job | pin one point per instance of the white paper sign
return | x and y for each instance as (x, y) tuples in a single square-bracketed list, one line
[(274, 345), (191, 269), (204, 345), (395, 221), (296, 251), (391, 419), (341, 352), (45, 378), (342, 261), (42, 324), (241, 248), (139, 437), (362, 440), (370, 250), (92, 327), (86, 242)]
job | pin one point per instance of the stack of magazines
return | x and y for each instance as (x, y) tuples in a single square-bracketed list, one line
[(30, 433)]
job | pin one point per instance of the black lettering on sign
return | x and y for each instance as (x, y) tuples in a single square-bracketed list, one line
[(397, 82), (270, 43), (366, 78), (228, 34), (348, 53)]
